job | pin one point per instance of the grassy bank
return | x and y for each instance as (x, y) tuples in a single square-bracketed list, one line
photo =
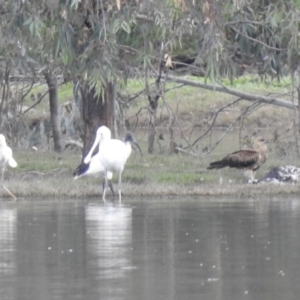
[(48, 174), (43, 174)]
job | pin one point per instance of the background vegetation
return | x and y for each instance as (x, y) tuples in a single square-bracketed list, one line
[(193, 79)]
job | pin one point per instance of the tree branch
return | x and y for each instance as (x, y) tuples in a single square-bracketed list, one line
[(237, 93), (257, 41), (33, 105)]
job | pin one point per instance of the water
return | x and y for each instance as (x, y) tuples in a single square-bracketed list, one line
[(164, 249)]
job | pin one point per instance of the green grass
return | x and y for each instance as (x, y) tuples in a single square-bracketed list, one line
[(193, 105), (65, 94), (149, 168), (255, 82), (48, 174), (46, 162)]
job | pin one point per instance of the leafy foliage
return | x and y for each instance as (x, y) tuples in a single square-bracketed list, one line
[(105, 40)]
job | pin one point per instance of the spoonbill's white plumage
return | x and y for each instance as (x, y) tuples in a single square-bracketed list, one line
[(113, 154), (94, 166), (6, 158), (103, 133)]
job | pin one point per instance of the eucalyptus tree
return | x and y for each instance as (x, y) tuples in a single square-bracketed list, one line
[(99, 44), (24, 48)]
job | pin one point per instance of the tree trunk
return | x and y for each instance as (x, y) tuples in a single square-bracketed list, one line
[(97, 110), (54, 110), (153, 105), (112, 116), (298, 107), (172, 144), (297, 126)]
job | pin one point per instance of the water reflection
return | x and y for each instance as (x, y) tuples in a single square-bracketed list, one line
[(109, 236), (7, 246), (174, 249)]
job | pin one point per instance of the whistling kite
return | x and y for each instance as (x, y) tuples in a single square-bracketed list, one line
[(249, 160)]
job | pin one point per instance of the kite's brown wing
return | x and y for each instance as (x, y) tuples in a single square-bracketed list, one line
[(238, 159)]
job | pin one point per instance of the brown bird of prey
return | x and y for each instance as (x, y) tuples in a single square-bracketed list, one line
[(249, 160)]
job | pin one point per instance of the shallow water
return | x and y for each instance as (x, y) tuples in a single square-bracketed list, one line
[(164, 249)]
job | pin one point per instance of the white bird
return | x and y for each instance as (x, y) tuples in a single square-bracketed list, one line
[(113, 154), (6, 158), (282, 174), (94, 166)]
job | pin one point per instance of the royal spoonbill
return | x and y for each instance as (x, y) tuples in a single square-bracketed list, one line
[(94, 167), (6, 158), (113, 155)]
